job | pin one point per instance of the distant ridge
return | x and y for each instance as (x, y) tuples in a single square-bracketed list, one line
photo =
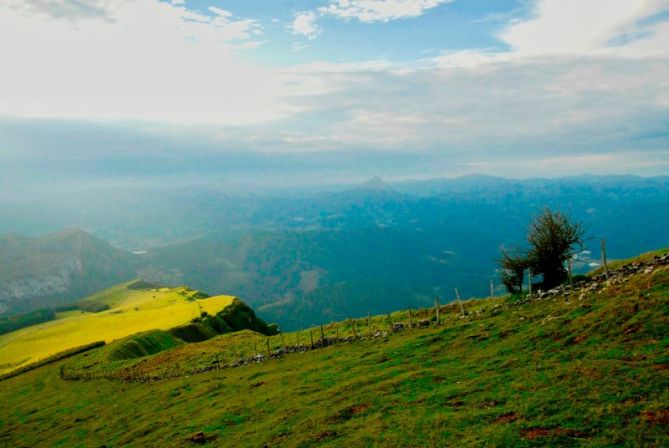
[(57, 268), (374, 184)]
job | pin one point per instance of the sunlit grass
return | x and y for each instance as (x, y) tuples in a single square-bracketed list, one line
[(134, 311)]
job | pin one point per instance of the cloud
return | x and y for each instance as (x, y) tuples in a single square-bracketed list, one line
[(304, 23), (69, 9), (175, 78), (576, 26), (365, 11), (134, 60), (368, 11)]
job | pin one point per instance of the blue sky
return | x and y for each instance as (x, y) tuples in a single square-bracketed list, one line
[(304, 92)]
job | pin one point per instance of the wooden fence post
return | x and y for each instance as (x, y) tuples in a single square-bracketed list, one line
[(604, 262), (570, 272), (369, 327), (323, 336), (355, 333), (218, 363), (410, 319), (436, 308), (529, 283), (462, 308), (492, 288), (337, 326), (311, 334)]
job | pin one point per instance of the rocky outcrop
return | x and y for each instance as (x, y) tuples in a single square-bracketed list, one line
[(599, 281)]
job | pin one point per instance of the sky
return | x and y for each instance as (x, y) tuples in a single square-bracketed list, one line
[(288, 93)]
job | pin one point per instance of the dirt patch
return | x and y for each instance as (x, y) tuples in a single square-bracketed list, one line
[(633, 329), (454, 404), (506, 418), (359, 408), (660, 417), (438, 379), (538, 433), (580, 338), (348, 413), (325, 435)]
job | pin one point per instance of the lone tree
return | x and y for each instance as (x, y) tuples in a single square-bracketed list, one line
[(552, 238)]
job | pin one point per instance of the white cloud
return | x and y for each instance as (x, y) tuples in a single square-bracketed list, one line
[(577, 26), (366, 11), (133, 60), (304, 23), (378, 10)]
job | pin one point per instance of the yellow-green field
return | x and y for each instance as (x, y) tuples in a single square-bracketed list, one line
[(132, 311)]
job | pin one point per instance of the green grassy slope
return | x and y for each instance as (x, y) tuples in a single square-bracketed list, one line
[(591, 369)]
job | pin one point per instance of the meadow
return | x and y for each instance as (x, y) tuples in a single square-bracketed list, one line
[(130, 310), (590, 369)]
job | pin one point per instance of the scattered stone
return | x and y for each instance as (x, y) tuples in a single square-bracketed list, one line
[(198, 438), (424, 323), (397, 327)]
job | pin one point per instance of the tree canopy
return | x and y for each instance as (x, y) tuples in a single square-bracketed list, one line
[(552, 238)]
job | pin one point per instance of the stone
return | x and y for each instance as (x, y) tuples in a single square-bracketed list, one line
[(398, 326), (198, 438)]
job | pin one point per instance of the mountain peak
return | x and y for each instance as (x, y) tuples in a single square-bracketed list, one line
[(375, 184)]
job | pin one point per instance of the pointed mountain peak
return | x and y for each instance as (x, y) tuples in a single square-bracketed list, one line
[(375, 184)]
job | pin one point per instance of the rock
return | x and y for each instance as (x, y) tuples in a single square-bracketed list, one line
[(398, 326), (424, 323), (199, 438)]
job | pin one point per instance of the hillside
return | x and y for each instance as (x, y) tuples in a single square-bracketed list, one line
[(586, 366), (57, 268), (125, 310)]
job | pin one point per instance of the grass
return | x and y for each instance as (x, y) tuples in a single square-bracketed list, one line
[(614, 264), (591, 372), (132, 311)]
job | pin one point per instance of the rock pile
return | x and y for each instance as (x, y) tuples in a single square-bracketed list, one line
[(599, 281)]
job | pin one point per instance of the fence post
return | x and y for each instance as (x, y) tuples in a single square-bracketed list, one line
[(255, 347), (369, 327), (355, 333), (492, 288), (268, 351), (606, 265), (529, 283), (311, 333), (462, 308), (323, 336), (410, 319), (218, 363), (337, 326), (570, 272), (436, 308), (390, 323)]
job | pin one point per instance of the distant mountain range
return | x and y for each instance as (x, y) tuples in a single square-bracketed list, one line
[(57, 268), (302, 260)]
